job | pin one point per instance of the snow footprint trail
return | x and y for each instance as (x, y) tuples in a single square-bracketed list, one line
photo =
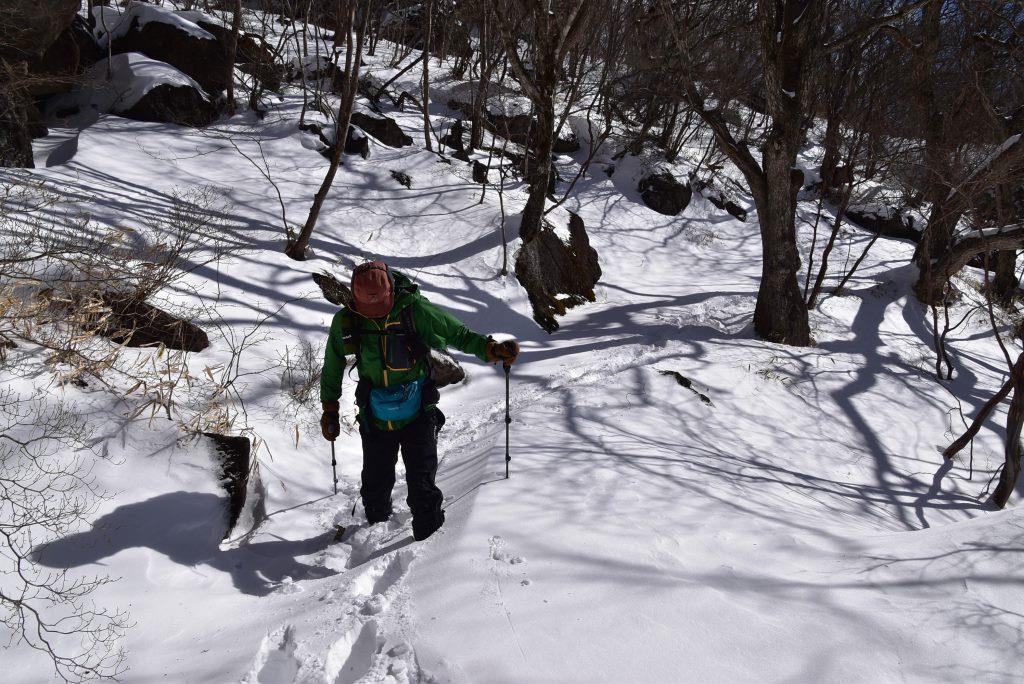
[(358, 628)]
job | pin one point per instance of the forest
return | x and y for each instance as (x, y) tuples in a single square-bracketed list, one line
[(758, 260)]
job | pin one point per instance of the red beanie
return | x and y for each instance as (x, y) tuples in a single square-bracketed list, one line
[(373, 289)]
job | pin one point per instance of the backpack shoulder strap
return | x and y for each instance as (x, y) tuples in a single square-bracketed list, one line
[(419, 347), (353, 334)]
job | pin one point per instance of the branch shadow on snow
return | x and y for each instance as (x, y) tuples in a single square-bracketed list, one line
[(187, 527)]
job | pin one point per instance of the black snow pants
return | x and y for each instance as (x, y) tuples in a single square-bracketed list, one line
[(418, 443)]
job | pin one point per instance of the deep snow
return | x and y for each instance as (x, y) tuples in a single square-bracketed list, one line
[(801, 528)]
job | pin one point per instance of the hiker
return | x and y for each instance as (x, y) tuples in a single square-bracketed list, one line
[(391, 327)]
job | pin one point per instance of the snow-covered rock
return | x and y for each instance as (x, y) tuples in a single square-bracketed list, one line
[(113, 22), (664, 193), (383, 128), (137, 87), (166, 36)]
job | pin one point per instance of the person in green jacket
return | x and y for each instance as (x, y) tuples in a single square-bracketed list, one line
[(390, 328)]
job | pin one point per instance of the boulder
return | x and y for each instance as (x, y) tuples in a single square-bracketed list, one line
[(557, 275), (139, 88), (565, 143), (407, 26), (253, 55), (15, 135), (334, 291), (479, 172), (233, 456), (383, 128), (719, 198), (163, 35), (455, 139), (356, 142), (402, 178), (886, 221), (54, 72), (29, 27), (270, 76), (173, 104), (663, 193), (140, 324), (510, 118)]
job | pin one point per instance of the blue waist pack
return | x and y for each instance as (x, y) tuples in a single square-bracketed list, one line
[(397, 403)]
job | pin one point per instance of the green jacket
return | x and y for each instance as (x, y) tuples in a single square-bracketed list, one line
[(437, 328)]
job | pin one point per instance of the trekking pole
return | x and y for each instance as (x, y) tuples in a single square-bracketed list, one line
[(508, 418), (334, 467)]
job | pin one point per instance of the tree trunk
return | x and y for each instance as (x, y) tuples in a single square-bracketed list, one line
[(789, 34), (1005, 284), (533, 213), (476, 131), (1011, 467), (427, 134), (236, 23), (297, 249), (781, 313)]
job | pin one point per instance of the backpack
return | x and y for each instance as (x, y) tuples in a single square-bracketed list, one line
[(404, 348)]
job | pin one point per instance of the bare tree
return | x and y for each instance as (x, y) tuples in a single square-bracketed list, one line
[(347, 11), (552, 27)]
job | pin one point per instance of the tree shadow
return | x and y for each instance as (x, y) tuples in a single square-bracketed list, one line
[(187, 528)]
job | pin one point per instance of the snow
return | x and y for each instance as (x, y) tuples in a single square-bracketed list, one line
[(131, 76), (508, 106), (113, 23), (804, 527)]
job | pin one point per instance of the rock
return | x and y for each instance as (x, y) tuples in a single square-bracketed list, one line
[(138, 88), (566, 143), (29, 27), (383, 128), (407, 26), (164, 36), (556, 275), (886, 221), (525, 163), (455, 140), (334, 291), (270, 76), (15, 136), (233, 453), (253, 54), (402, 178), (479, 172), (356, 142), (517, 128), (718, 198), (36, 121), (664, 194), (55, 70), (445, 369), (173, 104), (140, 324)]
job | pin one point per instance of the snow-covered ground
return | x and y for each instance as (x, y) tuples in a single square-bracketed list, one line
[(798, 526)]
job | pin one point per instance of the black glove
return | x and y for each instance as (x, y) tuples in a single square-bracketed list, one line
[(330, 423), (505, 352)]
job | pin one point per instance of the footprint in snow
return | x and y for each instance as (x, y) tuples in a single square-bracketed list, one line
[(352, 655), (275, 661), (500, 552)]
